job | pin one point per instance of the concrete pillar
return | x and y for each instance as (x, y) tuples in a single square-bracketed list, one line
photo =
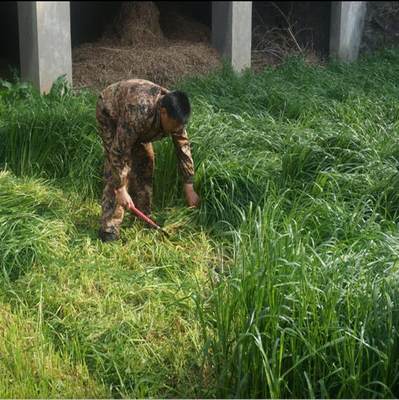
[(232, 31), (347, 23), (44, 42)]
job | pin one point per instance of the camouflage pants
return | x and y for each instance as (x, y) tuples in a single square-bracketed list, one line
[(140, 177)]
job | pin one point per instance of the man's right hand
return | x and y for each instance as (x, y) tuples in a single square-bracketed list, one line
[(123, 198)]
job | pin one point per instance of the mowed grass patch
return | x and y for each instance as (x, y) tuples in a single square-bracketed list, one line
[(33, 224), (125, 313), (130, 319), (30, 367), (282, 284)]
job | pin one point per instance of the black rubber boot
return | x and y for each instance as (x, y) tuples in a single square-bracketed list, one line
[(108, 236)]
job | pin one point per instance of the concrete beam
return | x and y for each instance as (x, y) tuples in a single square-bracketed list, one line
[(346, 29), (44, 42), (232, 31)]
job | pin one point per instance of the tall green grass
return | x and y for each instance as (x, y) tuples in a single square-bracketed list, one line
[(51, 136), (297, 319), (282, 284)]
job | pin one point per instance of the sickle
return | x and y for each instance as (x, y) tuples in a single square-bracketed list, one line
[(144, 218)]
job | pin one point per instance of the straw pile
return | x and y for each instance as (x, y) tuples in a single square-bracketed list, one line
[(179, 27), (135, 46)]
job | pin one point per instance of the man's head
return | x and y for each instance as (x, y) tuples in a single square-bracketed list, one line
[(175, 111)]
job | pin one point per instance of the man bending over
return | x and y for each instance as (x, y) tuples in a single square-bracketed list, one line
[(131, 114)]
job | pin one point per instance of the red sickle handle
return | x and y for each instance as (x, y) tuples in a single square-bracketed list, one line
[(144, 217)]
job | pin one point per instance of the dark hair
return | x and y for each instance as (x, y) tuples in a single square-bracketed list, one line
[(177, 106)]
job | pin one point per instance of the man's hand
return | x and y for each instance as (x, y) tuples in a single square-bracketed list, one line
[(123, 198), (191, 197)]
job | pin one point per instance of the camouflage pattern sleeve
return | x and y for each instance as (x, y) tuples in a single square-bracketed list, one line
[(183, 152), (120, 155)]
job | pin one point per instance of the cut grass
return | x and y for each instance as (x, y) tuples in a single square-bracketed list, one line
[(29, 229), (30, 367), (123, 312), (282, 284)]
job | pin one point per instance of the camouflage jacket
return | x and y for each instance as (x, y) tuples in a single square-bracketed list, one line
[(133, 108)]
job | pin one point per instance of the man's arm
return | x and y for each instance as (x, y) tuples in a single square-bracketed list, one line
[(186, 165), (184, 157)]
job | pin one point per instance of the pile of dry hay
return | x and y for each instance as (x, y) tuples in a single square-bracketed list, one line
[(135, 46)]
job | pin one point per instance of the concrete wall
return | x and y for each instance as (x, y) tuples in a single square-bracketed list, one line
[(347, 23), (232, 31), (45, 42), (28, 45)]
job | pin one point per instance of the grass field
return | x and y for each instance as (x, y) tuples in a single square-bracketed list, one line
[(283, 284)]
